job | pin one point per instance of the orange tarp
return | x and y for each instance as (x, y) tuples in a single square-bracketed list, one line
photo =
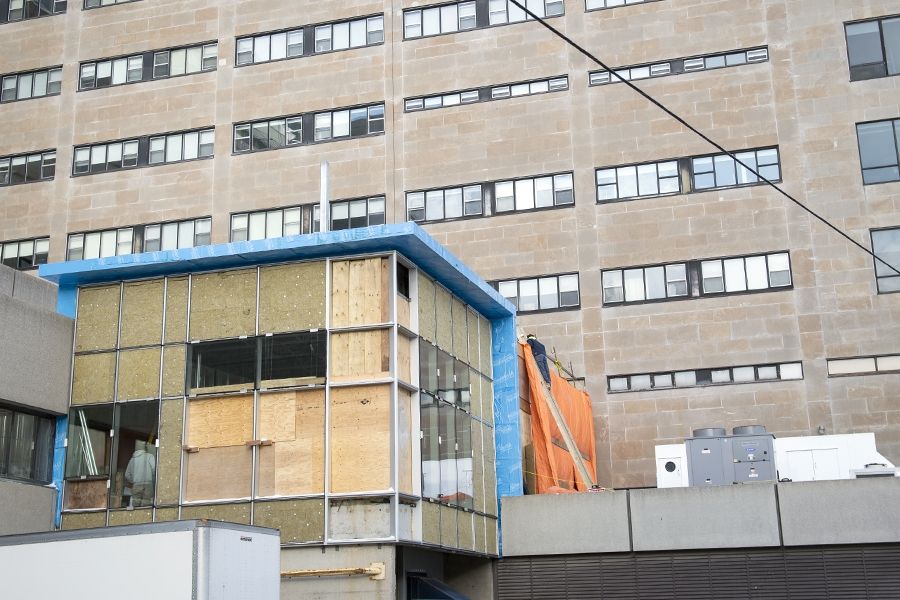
[(555, 468)]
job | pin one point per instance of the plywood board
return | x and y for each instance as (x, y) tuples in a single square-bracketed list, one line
[(360, 355), (460, 331), (359, 519), (292, 297), (94, 378), (431, 523), (465, 528), (405, 440), (484, 344), (443, 319), (232, 513), (426, 307), (299, 520), (176, 309), (295, 463), (340, 293), (97, 323), (168, 459), (138, 374), (131, 517), (404, 308), (219, 422), (142, 313), (404, 359), (174, 363), (359, 292), (218, 473), (360, 440), (449, 537), (85, 494), (83, 520), (223, 304)]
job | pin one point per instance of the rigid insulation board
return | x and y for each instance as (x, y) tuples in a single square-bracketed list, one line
[(491, 537), (84, 520), (294, 464), (431, 523), (223, 304), (176, 309), (299, 520), (460, 331), (475, 393), (94, 378), (427, 322), (232, 513), (360, 355), (405, 440), (472, 340), (449, 518), (487, 400), (484, 343), (359, 292), (359, 518), (168, 459), (138, 374), (130, 517), (173, 370), (166, 514), (480, 527), (97, 324), (465, 528), (443, 319), (292, 297), (218, 422), (85, 494), (218, 473), (360, 441), (477, 466), (142, 313)]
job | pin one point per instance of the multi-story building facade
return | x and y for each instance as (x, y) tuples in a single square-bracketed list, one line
[(685, 291)]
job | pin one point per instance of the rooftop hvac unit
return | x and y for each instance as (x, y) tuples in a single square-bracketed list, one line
[(671, 466), (716, 458)]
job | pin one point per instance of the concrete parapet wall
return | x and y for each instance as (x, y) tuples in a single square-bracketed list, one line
[(25, 508)]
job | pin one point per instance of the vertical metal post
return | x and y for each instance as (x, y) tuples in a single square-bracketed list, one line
[(184, 401), (326, 454), (324, 192), (395, 404)]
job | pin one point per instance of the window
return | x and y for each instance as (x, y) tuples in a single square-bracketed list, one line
[(158, 149), (177, 147), (27, 168), (601, 4), (89, 442), (362, 212), (486, 94), (349, 34), (99, 158), (176, 235), (31, 9), (111, 72), (269, 46), (130, 69), (99, 3), (26, 445), (355, 122), (638, 181), (434, 20), (25, 254), (697, 278), (679, 66), (184, 61), (721, 171), (873, 48), (864, 365), (450, 203), (554, 292), (886, 245), (504, 11), (878, 150), (140, 238), (293, 359), (788, 371), (533, 192), (34, 84), (264, 224)]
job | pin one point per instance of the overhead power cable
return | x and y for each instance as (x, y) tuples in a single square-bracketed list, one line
[(699, 133)]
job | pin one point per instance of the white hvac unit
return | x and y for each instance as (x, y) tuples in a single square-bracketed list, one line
[(827, 457), (671, 466)]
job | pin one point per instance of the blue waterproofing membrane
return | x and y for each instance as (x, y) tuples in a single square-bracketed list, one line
[(406, 238), (59, 463)]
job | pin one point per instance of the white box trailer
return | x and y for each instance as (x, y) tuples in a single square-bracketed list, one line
[(182, 560)]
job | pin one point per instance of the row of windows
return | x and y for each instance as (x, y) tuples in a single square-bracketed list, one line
[(873, 48), (27, 168), (33, 84), (865, 365), (151, 65), (26, 445), (681, 65), (266, 224), (485, 94), (462, 16), (697, 278), (879, 150), (25, 254), (601, 4), (20, 10), (704, 377), (99, 3), (178, 147), (532, 294), (140, 238), (126, 154), (528, 193)]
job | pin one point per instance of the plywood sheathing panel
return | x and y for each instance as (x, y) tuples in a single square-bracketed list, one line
[(219, 422), (139, 374), (142, 313), (431, 523), (480, 540), (84, 520), (295, 463), (166, 514), (232, 513), (223, 304), (460, 331), (404, 308), (360, 355), (404, 360), (176, 309), (292, 297), (484, 343), (85, 494), (218, 474), (168, 460), (487, 400), (449, 537), (97, 324), (131, 517), (298, 520), (173, 370), (359, 292), (360, 445), (477, 466), (491, 535), (443, 318), (465, 528), (94, 378), (405, 440), (359, 519), (426, 307)]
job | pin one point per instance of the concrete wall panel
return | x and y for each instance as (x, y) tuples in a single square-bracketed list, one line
[(25, 508)]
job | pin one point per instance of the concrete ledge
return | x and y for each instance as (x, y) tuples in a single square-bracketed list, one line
[(738, 516), (34, 291), (854, 511), (565, 524), (25, 508)]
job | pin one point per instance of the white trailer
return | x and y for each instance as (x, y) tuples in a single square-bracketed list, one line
[(182, 560)]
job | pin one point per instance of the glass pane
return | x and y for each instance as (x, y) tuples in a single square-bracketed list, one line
[(890, 29), (524, 194), (568, 290), (447, 431), (428, 367), (504, 196), (725, 173), (656, 282), (279, 46), (434, 205), (431, 471), (734, 275), (453, 203), (627, 180), (87, 453), (177, 64), (134, 479), (221, 366), (191, 145), (358, 33), (676, 280), (509, 290), (431, 21), (173, 148), (548, 293), (686, 378), (612, 287), (757, 273), (543, 192), (21, 445), (293, 359), (877, 144), (712, 276), (528, 295), (648, 184), (634, 285), (864, 43), (886, 245), (194, 59), (186, 234)]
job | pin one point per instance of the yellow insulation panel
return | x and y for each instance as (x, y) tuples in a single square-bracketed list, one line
[(97, 322), (83, 520), (223, 304), (444, 319), (173, 370), (168, 460), (426, 307), (176, 309), (292, 297), (138, 374), (431, 523), (449, 537), (94, 378), (142, 313), (299, 520), (232, 513)]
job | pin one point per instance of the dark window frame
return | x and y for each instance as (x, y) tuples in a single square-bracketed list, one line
[(14, 410), (878, 21), (138, 235), (33, 72), (35, 263), (707, 371), (348, 201), (680, 167), (26, 155), (482, 18), (632, 3), (896, 126), (147, 64), (676, 66), (85, 6), (692, 174), (306, 210), (875, 263), (143, 153), (485, 93), (536, 278), (4, 17)]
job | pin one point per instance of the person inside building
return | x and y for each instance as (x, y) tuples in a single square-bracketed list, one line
[(140, 475), (540, 356)]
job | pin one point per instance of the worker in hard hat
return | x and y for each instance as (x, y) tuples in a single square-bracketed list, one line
[(140, 476), (540, 356)]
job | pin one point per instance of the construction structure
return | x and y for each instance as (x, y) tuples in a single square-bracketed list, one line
[(284, 383)]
